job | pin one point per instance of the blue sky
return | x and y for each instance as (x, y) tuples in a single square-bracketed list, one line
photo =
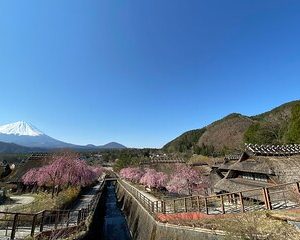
[(142, 72)]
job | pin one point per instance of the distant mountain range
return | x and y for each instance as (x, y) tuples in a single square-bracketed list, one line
[(21, 134), (14, 148), (278, 126)]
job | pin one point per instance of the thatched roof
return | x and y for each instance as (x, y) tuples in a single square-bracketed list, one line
[(34, 161), (286, 169), (273, 150)]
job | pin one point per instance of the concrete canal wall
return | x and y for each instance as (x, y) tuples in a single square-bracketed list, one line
[(143, 226)]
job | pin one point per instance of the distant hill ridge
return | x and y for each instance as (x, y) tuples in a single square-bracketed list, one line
[(14, 148), (26, 135), (278, 126)]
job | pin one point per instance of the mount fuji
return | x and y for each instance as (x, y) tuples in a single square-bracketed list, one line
[(27, 135)]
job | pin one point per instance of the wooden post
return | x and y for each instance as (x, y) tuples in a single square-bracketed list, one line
[(174, 206), (265, 198), (42, 221), (68, 218), (56, 219), (185, 207), (268, 198), (205, 205), (164, 206), (222, 205), (14, 226), (242, 202), (33, 225), (198, 204), (79, 217)]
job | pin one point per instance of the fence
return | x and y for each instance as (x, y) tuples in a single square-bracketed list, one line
[(150, 205), (19, 225), (283, 196)]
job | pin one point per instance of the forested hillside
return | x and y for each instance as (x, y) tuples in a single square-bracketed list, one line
[(279, 126)]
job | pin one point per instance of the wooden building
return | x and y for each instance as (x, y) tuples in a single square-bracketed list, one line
[(258, 166)]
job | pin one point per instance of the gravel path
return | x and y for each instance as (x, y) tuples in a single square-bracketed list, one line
[(16, 201)]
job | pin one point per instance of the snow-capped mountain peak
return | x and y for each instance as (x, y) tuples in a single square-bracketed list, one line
[(20, 128)]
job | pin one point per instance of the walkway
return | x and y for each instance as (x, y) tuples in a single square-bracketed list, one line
[(66, 218), (83, 202), (16, 201), (146, 194)]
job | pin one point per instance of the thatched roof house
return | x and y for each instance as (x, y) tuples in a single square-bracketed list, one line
[(36, 160), (259, 166)]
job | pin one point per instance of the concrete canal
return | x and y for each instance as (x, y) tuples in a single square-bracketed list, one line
[(109, 222)]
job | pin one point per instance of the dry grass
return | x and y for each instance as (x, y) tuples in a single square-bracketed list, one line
[(258, 225), (200, 159), (44, 201), (255, 225)]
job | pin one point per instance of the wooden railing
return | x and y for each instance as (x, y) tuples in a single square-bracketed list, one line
[(19, 225), (151, 206), (281, 196)]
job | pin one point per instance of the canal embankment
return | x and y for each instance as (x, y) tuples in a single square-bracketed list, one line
[(144, 226), (120, 216), (109, 222)]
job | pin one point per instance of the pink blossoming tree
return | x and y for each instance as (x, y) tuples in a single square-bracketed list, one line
[(30, 178), (184, 180), (65, 170), (154, 179), (133, 174)]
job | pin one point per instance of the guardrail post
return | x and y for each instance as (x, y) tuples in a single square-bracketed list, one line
[(152, 206), (33, 225), (242, 202), (14, 226), (42, 221)]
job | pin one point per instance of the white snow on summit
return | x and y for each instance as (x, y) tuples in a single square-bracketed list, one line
[(20, 128)]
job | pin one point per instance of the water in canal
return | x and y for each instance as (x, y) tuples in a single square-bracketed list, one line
[(114, 223)]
